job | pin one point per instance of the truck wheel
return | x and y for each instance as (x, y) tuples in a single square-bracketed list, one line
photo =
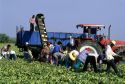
[(94, 45)]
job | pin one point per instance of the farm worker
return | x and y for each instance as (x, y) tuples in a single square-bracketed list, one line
[(8, 53), (58, 53), (81, 58), (109, 56), (32, 23), (51, 47), (71, 41), (91, 58), (71, 58), (45, 53), (72, 45), (27, 52), (3, 51), (0, 53), (65, 51)]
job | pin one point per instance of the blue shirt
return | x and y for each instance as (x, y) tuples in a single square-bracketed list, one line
[(83, 55), (57, 48)]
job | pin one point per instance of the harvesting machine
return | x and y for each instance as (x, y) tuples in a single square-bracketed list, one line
[(89, 37), (98, 41)]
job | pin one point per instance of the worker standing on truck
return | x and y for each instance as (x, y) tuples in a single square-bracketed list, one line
[(110, 57), (32, 23)]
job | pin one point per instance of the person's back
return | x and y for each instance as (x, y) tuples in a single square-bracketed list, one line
[(82, 55), (45, 50), (109, 53), (56, 48)]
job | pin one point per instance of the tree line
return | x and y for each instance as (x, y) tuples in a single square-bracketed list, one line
[(6, 39)]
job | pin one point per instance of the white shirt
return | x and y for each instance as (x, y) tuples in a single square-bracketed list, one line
[(51, 47), (109, 53), (71, 41)]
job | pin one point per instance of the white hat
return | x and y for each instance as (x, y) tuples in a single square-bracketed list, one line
[(113, 42), (73, 55)]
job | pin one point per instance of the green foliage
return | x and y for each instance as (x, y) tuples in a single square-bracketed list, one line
[(4, 38), (12, 40), (13, 47), (22, 72)]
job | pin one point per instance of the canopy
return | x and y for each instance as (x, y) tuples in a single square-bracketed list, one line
[(90, 25)]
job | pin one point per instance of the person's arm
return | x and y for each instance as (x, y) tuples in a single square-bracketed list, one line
[(113, 53), (60, 50), (30, 53)]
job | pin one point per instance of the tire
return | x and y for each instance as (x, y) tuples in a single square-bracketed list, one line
[(92, 44)]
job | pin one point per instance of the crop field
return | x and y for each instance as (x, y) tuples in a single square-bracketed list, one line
[(23, 72)]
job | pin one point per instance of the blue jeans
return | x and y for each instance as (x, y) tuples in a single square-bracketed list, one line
[(26, 56), (12, 56), (58, 57)]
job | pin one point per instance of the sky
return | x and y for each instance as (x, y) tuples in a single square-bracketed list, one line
[(64, 15)]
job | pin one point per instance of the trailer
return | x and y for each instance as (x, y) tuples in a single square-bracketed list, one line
[(33, 38)]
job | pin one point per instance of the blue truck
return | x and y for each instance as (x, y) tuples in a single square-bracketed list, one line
[(33, 38), (36, 39)]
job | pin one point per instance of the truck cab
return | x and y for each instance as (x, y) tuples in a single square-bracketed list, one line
[(90, 30)]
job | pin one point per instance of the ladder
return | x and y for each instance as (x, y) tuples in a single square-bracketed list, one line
[(41, 27)]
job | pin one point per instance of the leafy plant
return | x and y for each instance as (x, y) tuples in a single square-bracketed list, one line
[(22, 72)]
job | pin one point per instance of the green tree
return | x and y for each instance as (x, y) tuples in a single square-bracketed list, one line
[(4, 38), (12, 40)]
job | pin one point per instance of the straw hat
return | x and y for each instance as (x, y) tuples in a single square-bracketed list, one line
[(113, 42), (73, 55)]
